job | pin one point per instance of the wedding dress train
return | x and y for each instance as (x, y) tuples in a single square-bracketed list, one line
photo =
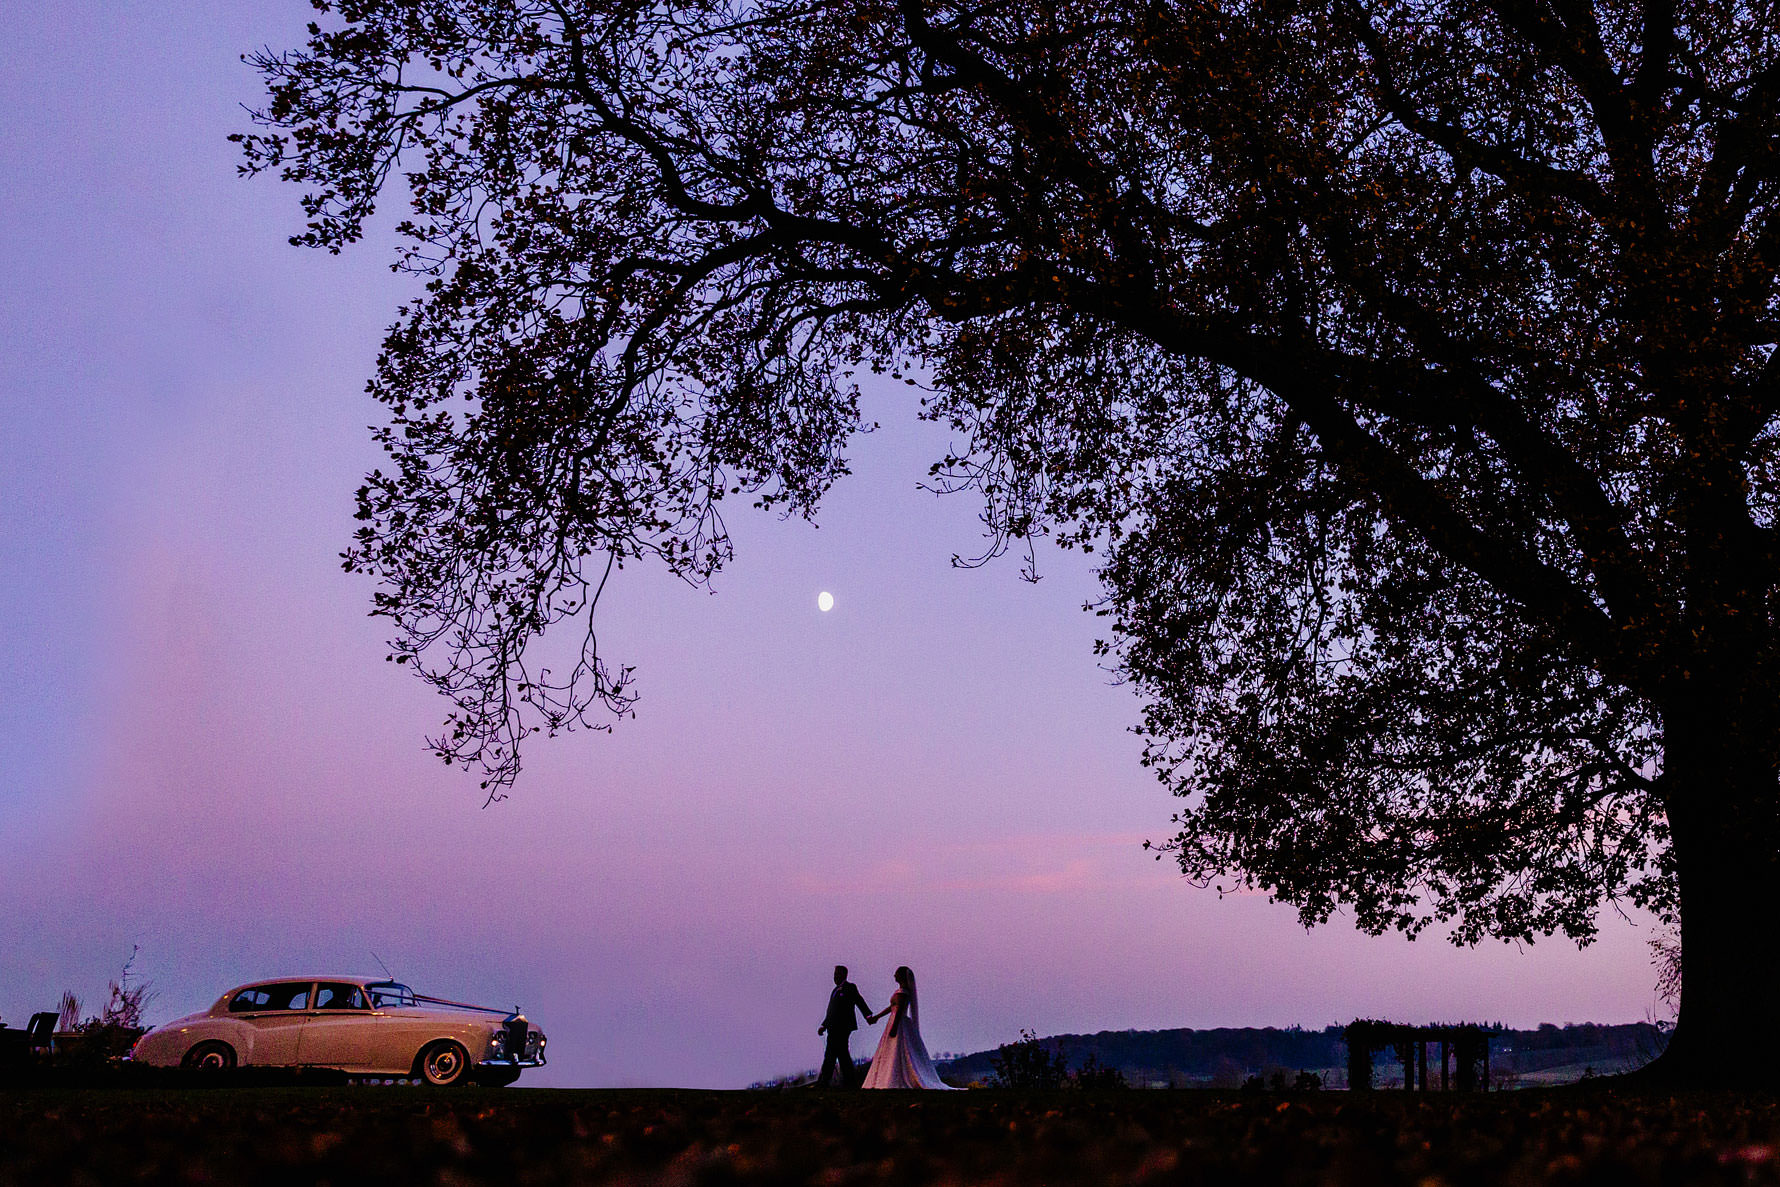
[(901, 1060)]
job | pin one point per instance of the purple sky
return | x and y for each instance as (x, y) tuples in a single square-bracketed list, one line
[(205, 753)]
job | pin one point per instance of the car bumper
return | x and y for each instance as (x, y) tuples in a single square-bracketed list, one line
[(503, 1061)]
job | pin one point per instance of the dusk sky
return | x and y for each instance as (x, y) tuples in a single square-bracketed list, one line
[(205, 754)]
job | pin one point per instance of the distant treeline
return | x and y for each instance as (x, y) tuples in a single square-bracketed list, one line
[(1227, 1056)]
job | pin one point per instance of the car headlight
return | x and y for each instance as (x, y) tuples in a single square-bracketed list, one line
[(497, 1043)]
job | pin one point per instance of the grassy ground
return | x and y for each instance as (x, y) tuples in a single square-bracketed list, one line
[(271, 1136)]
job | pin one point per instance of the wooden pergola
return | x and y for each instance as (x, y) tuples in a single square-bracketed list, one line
[(1464, 1055)]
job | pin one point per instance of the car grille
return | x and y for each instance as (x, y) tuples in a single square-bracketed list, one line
[(516, 1036)]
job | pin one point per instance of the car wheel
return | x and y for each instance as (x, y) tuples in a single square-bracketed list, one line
[(209, 1057), (444, 1063), (497, 1077)]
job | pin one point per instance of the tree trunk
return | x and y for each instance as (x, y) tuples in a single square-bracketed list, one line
[(1720, 791)]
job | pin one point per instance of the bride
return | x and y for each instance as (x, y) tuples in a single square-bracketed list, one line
[(901, 1060)]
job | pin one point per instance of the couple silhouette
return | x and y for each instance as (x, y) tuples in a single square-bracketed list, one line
[(901, 1059)]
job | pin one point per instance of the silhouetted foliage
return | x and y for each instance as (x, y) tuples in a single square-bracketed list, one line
[(104, 1037), (1196, 1055), (1094, 1076), (1029, 1064), (1411, 365), (1040, 1065), (1276, 1081), (124, 1002), (1665, 954), (1226, 1056)]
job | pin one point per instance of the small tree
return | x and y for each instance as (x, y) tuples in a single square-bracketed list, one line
[(123, 1007), (118, 1024), (1029, 1064)]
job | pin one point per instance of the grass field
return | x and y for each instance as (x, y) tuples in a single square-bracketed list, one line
[(339, 1135)]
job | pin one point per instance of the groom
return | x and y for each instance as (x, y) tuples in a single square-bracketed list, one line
[(838, 1025)]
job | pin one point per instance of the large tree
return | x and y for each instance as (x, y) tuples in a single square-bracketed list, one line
[(1409, 364)]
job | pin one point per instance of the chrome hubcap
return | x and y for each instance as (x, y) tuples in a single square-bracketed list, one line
[(442, 1064)]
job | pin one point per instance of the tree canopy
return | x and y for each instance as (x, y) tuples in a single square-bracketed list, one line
[(1408, 364)]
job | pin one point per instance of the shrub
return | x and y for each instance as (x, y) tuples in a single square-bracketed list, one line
[(68, 1011), (114, 1029), (123, 1006), (1094, 1076), (1275, 1081), (1028, 1064)]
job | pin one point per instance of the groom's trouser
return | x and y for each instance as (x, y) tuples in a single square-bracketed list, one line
[(837, 1055)]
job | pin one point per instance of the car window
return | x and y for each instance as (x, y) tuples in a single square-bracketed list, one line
[(250, 999), (385, 994), (333, 996), (289, 996)]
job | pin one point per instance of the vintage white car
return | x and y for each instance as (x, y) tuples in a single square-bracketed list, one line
[(358, 1025)]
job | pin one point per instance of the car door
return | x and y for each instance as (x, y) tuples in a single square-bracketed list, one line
[(342, 1030), (274, 1015)]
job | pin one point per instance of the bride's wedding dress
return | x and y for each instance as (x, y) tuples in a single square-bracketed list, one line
[(901, 1060)]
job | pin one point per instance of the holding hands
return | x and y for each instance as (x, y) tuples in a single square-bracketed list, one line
[(895, 1000)]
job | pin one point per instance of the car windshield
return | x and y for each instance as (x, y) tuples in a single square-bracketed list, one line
[(385, 994)]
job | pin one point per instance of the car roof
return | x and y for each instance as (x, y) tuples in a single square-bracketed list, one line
[(302, 978)]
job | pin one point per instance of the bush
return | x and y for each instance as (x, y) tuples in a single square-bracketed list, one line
[(111, 1032), (1276, 1082), (1028, 1064), (1094, 1076), (124, 1006)]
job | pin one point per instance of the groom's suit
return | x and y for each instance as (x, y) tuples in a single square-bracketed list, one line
[(840, 1027)]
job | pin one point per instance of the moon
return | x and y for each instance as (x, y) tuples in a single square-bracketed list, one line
[(825, 601)]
